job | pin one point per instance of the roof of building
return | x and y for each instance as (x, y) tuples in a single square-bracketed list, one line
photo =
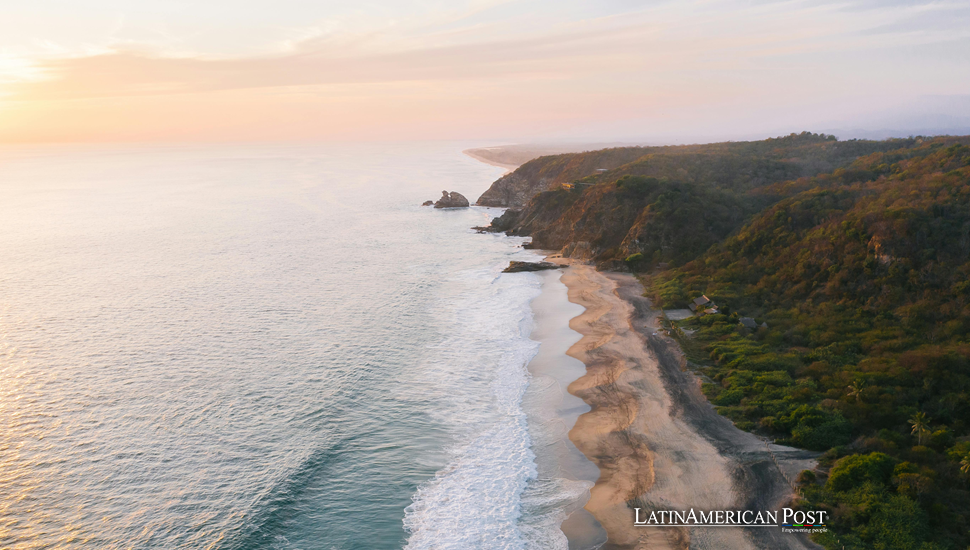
[(748, 322), (701, 301)]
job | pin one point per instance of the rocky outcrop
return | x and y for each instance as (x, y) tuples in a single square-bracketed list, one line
[(515, 267), (451, 200), (427, 203), (513, 190), (502, 223)]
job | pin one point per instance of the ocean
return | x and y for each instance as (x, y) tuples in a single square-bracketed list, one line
[(270, 346)]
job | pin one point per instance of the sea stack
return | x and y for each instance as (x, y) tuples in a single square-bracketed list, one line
[(451, 200)]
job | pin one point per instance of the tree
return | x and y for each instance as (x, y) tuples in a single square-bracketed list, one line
[(855, 390), (921, 425), (965, 464)]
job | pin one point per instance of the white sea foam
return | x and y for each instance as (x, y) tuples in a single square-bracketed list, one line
[(487, 496)]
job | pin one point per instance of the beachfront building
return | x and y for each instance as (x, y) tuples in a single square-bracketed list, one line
[(701, 301), (703, 305)]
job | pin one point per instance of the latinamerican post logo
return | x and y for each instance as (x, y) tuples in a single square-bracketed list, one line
[(787, 519)]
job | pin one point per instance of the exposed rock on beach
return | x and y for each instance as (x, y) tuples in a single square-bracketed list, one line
[(515, 267)]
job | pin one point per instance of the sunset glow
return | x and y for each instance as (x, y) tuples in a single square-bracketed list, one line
[(431, 70)]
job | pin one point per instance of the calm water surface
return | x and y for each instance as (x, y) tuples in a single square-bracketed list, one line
[(262, 347)]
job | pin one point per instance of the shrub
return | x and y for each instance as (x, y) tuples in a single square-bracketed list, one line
[(854, 470), (636, 262)]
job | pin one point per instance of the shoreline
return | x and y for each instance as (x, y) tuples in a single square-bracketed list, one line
[(553, 411), (473, 154), (653, 435)]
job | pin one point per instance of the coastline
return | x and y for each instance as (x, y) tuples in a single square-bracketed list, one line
[(651, 433), (654, 437), (553, 410), (475, 154)]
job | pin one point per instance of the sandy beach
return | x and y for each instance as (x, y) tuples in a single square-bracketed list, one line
[(656, 440), (512, 156), (495, 156), (555, 410)]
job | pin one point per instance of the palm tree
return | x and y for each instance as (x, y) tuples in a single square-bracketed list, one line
[(855, 390), (921, 425), (965, 464)]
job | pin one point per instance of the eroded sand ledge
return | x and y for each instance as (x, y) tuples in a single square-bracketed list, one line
[(663, 449)]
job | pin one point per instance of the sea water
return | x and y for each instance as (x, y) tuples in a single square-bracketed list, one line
[(265, 346)]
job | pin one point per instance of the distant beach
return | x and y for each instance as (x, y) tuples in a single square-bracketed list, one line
[(512, 156), (494, 156)]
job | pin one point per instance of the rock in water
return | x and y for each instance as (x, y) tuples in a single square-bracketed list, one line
[(515, 267), (451, 200), (505, 222), (427, 203)]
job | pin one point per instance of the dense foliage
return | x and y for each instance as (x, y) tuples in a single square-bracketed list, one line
[(669, 204), (858, 283)]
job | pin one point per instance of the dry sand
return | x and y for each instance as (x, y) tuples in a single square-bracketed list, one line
[(495, 157), (657, 442), (512, 156)]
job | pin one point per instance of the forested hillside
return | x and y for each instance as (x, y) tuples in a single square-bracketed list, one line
[(862, 280), (669, 203), (849, 262)]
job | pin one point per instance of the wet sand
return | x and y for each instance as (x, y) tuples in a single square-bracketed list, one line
[(656, 440), (556, 410)]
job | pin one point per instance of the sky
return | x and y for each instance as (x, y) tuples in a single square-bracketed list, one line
[(507, 70)]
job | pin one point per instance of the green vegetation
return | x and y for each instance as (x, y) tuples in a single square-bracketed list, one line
[(861, 277), (852, 259), (671, 204)]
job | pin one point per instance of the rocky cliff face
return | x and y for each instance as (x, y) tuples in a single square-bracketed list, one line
[(513, 190)]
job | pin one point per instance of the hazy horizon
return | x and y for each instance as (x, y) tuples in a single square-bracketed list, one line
[(507, 71)]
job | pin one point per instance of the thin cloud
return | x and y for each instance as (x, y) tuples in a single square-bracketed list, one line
[(461, 46), (498, 62)]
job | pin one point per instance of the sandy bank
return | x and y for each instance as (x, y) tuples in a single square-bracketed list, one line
[(495, 157), (511, 156), (657, 441)]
